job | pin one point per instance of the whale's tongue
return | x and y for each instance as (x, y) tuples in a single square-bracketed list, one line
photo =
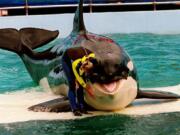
[(110, 87)]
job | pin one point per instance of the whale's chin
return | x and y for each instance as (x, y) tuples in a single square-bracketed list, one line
[(111, 96)]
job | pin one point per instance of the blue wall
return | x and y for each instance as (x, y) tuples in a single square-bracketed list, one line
[(47, 2), (4, 3)]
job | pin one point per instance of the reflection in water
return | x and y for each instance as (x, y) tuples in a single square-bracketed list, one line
[(159, 124)]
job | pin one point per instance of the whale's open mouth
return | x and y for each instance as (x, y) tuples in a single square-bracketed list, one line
[(108, 88)]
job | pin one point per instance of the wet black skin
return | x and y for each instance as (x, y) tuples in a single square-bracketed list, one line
[(107, 74)]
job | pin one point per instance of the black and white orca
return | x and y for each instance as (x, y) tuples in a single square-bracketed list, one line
[(114, 83)]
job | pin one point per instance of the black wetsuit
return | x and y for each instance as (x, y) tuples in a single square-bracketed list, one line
[(68, 57)]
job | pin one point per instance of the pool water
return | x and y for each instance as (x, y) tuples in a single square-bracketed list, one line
[(157, 58), (159, 124)]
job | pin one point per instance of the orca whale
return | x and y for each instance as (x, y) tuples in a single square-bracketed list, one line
[(114, 83)]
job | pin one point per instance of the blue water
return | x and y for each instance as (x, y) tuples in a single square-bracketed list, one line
[(157, 58), (159, 124)]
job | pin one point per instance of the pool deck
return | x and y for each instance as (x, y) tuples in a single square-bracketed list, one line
[(13, 106)]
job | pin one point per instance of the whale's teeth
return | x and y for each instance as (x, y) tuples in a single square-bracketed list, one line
[(110, 87)]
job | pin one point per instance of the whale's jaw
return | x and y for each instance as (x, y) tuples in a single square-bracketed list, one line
[(114, 96)]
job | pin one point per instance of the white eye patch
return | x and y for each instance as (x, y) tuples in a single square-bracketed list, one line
[(130, 65)]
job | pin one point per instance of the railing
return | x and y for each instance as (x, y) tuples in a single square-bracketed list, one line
[(26, 7), (91, 7)]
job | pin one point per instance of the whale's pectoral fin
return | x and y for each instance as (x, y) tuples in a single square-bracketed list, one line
[(157, 95), (10, 40), (55, 105), (35, 37)]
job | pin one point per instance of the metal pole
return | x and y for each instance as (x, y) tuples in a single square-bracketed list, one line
[(26, 7), (90, 6), (154, 5)]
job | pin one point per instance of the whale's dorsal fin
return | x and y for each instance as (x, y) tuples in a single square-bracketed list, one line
[(78, 24)]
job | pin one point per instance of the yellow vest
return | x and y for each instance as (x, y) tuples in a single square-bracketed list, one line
[(74, 65)]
